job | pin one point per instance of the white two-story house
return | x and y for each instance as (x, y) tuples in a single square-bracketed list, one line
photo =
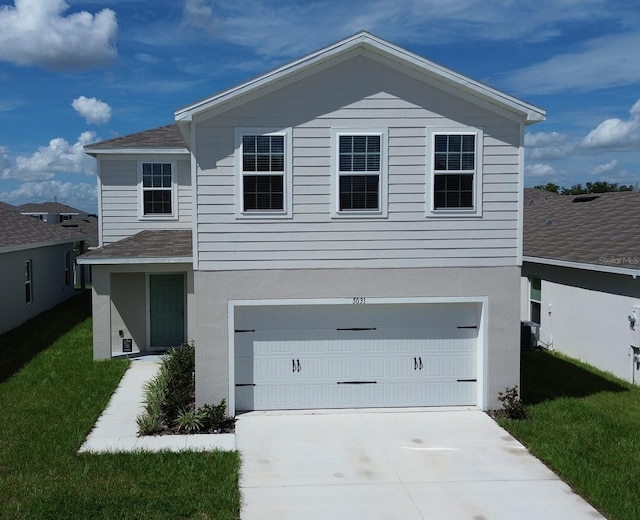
[(344, 231)]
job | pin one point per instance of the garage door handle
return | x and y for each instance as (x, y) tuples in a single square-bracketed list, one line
[(356, 382), (466, 380), (298, 364), (295, 367), (420, 363), (415, 364), (293, 363)]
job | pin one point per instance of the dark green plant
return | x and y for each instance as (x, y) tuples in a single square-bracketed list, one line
[(215, 417), (180, 366), (512, 404)]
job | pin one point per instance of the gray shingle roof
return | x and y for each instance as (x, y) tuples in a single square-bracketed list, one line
[(21, 232), (149, 244), (168, 136), (600, 229), (86, 225), (48, 207)]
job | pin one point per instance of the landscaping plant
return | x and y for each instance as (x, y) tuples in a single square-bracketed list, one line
[(170, 400)]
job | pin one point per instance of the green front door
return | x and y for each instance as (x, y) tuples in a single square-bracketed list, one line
[(166, 310)]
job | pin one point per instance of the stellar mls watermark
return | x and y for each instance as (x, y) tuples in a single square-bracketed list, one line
[(619, 260)]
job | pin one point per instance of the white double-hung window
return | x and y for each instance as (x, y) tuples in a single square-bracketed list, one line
[(455, 172), (360, 178), (263, 171), (157, 190)]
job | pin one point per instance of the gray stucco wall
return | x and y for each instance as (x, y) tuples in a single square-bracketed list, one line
[(215, 289), (48, 282), (584, 314), (120, 303)]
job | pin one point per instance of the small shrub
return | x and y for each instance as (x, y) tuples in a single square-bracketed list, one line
[(180, 366), (189, 421), (214, 416), (512, 406)]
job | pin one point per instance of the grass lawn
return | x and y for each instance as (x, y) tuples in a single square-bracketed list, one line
[(51, 393), (585, 425)]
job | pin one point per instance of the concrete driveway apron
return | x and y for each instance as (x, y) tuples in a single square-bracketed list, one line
[(394, 464)]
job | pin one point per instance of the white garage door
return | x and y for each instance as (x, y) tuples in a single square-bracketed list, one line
[(356, 356)]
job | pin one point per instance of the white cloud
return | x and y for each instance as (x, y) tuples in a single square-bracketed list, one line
[(58, 157), (36, 32), (78, 195), (616, 134), (600, 63), (93, 110), (544, 139), (539, 170), (604, 168), (291, 28), (548, 146)]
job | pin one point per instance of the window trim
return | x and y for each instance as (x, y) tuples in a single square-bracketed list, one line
[(174, 191), (476, 211), (533, 301), (67, 269), (28, 281), (383, 194), (287, 174)]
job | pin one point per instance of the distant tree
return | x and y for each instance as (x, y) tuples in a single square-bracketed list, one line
[(550, 186), (576, 189), (590, 187)]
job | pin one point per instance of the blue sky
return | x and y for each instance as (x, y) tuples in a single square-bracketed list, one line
[(76, 72)]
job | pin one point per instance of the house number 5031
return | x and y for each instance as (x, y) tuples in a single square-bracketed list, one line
[(359, 300)]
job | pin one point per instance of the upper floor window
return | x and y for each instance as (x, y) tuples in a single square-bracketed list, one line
[(264, 170), (158, 190), (455, 172), (360, 173)]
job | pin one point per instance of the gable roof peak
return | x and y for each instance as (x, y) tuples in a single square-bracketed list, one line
[(384, 50)]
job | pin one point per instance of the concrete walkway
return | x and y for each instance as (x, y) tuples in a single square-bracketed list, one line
[(116, 429), (392, 464)]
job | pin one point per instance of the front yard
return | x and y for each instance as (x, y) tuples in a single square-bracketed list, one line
[(585, 425), (52, 393)]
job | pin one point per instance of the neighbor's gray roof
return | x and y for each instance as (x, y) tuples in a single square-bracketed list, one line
[(86, 225), (600, 229), (48, 207), (148, 245), (23, 232), (167, 137)]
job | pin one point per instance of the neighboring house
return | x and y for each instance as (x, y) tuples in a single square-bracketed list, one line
[(51, 212), (36, 266), (88, 226), (581, 276), (344, 231)]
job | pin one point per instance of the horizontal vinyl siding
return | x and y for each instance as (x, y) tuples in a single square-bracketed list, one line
[(120, 197), (368, 95)]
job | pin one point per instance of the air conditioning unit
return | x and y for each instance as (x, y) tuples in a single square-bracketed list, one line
[(529, 335)]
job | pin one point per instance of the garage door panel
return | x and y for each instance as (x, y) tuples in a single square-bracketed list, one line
[(409, 355)]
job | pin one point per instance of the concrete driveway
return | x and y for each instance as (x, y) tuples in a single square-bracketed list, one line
[(394, 464)]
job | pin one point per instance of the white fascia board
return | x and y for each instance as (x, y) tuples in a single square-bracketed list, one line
[(530, 113), (137, 151), (36, 245), (578, 265), (134, 260)]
